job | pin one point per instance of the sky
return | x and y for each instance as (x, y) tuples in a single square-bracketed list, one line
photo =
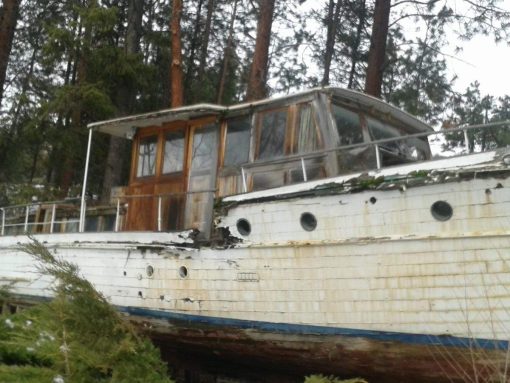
[(484, 61), (481, 59)]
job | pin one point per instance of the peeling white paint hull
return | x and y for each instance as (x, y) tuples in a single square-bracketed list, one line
[(378, 268)]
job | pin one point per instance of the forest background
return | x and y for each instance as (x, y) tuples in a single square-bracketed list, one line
[(64, 64)]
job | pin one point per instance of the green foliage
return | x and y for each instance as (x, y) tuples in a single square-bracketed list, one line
[(472, 108), (331, 379), (26, 374), (18, 194), (77, 335)]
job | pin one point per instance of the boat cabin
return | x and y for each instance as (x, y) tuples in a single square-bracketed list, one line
[(184, 159)]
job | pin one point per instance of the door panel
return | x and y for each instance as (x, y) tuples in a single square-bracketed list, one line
[(202, 178), (140, 212)]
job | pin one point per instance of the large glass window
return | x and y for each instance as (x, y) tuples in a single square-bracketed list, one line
[(147, 157), (173, 160), (307, 135), (272, 134), (380, 131), (205, 148), (395, 152), (348, 125), (237, 148)]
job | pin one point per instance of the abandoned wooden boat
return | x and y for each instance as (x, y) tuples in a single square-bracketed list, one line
[(314, 230)]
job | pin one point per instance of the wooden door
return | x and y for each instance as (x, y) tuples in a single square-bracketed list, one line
[(156, 192)]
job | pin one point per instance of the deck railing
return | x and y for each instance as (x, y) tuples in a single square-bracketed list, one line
[(461, 140), (33, 217), (64, 216), (191, 209)]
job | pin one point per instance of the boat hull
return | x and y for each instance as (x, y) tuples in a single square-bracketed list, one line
[(380, 289), (297, 351)]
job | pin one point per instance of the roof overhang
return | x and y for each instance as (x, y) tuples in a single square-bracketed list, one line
[(381, 107), (126, 126)]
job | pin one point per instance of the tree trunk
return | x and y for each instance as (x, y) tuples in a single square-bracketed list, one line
[(176, 64), (115, 161), (259, 67), (377, 51), (227, 54), (8, 19), (355, 49), (205, 43), (190, 68), (333, 20)]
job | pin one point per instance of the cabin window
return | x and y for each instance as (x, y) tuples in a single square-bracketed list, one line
[(348, 125), (380, 131), (396, 152), (147, 157), (237, 147), (272, 127), (307, 134), (174, 152), (205, 149)]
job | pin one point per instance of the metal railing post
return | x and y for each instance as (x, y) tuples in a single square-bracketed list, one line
[(303, 168), (466, 140), (83, 217), (83, 207), (243, 174), (53, 215), (27, 212), (3, 220), (378, 156), (159, 213), (117, 215)]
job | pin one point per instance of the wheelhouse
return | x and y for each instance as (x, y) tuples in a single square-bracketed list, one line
[(186, 157)]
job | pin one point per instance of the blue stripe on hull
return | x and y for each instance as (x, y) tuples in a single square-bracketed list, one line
[(298, 329)]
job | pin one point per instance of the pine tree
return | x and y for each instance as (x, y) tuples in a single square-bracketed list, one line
[(259, 67), (177, 97), (9, 13)]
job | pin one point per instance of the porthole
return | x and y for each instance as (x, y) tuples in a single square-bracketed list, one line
[(183, 272), (441, 210), (308, 221), (243, 227), (150, 271), (373, 200)]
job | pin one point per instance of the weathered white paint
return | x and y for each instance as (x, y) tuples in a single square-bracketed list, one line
[(387, 265)]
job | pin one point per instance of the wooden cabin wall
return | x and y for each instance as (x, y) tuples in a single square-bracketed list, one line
[(172, 188)]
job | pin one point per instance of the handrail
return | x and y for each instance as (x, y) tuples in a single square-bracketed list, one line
[(22, 218), (375, 144), (36, 203), (316, 153)]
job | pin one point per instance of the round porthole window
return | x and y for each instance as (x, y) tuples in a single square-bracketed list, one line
[(243, 227), (150, 271), (183, 272), (441, 210), (308, 221)]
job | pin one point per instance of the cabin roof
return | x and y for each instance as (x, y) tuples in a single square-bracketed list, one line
[(126, 126)]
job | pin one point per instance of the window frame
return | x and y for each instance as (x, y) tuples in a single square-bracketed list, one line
[(164, 132), (296, 129), (287, 133), (224, 141), (134, 171), (365, 135)]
